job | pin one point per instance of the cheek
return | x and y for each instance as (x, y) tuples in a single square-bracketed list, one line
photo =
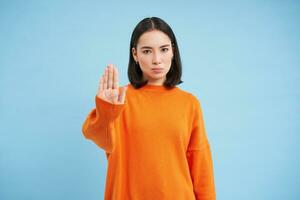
[(144, 65), (145, 61)]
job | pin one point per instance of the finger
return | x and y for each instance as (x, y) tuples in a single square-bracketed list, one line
[(122, 95), (101, 83), (116, 78), (105, 78), (110, 76)]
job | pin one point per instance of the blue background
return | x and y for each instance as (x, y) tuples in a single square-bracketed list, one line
[(240, 58)]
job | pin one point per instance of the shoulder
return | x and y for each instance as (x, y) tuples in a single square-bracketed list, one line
[(193, 100), (192, 97)]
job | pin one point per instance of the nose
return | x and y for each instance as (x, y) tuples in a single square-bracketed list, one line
[(156, 58)]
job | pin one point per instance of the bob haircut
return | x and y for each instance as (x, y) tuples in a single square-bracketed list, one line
[(135, 74)]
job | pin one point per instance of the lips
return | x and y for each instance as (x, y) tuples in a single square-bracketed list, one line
[(157, 68)]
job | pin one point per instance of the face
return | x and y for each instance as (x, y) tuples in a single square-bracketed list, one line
[(154, 53)]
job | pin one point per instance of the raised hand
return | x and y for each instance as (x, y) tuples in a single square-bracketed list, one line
[(109, 86)]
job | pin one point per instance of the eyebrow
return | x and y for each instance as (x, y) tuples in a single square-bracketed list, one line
[(147, 47)]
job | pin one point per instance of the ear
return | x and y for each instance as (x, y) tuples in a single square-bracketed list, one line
[(134, 54), (173, 52)]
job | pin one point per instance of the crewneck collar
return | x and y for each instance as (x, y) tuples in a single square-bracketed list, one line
[(154, 88)]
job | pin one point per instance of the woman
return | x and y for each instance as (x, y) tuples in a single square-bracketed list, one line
[(151, 131)]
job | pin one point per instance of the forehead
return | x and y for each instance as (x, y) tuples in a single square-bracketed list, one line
[(154, 38)]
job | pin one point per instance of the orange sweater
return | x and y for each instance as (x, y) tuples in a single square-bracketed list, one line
[(155, 144)]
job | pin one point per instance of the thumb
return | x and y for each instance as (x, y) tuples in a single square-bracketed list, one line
[(122, 95)]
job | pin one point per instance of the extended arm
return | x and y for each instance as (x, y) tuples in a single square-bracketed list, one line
[(110, 101), (98, 125)]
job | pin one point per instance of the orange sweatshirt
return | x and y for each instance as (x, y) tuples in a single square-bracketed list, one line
[(155, 144)]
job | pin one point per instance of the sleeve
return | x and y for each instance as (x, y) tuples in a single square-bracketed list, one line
[(200, 159), (98, 126)]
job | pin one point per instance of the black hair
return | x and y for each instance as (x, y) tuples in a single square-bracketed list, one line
[(135, 74)]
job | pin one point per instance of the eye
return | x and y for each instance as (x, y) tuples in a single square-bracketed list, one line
[(166, 49), (145, 51)]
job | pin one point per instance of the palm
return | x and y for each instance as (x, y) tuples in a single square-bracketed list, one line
[(109, 87), (110, 95)]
